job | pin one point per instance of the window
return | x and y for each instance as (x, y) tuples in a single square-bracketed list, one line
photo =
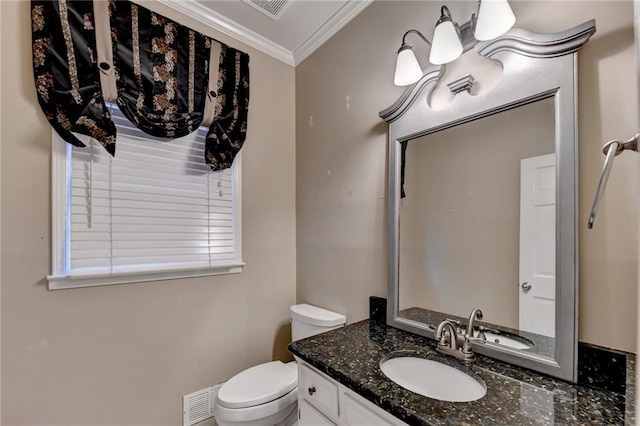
[(155, 211)]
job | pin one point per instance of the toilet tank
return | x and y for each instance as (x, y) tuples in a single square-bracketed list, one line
[(308, 320)]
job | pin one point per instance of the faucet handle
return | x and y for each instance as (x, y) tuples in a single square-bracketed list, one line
[(444, 339), (456, 323), (467, 347)]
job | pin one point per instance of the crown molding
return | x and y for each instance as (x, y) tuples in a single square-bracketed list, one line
[(218, 22), (231, 28), (342, 17)]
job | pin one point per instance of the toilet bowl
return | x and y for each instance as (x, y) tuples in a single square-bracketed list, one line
[(267, 394)]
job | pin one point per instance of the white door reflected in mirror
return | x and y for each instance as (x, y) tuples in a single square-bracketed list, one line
[(537, 311)]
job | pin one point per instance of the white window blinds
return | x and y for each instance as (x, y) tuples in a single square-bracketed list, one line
[(154, 207)]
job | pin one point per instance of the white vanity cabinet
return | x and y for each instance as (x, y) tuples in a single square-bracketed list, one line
[(323, 401)]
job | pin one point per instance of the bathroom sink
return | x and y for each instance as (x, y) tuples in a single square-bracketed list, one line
[(433, 379)]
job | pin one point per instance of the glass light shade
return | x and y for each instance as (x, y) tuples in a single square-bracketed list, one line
[(408, 69), (495, 18), (446, 46)]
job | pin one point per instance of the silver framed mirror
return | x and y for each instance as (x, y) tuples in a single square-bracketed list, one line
[(450, 236)]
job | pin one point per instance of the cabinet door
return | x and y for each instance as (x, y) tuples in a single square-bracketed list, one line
[(357, 411), (309, 416)]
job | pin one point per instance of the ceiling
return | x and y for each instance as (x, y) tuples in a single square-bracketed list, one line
[(301, 27)]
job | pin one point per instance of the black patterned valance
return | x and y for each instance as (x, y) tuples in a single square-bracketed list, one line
[(166, 78)]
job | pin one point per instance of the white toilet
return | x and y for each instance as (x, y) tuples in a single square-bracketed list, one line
[(267, 394)]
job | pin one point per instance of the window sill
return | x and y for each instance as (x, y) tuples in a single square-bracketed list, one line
[(60, 282)]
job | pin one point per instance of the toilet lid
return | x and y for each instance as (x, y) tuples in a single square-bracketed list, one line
[(258, 385)]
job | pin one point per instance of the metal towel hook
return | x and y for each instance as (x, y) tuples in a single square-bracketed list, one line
[(610, 149)]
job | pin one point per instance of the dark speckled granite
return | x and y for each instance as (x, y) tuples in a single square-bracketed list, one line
[(515, 396), (602, 368), (377, 310)]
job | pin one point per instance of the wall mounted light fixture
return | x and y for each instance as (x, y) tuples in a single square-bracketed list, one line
[(450, 40)]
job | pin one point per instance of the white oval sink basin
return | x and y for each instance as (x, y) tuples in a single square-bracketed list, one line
[(433, 379)]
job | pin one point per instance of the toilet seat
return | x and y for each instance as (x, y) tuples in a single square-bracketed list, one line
[(264, 395), (271, 413), (258, 385)]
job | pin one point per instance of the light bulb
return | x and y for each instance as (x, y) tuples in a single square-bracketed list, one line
[(495, 18), (408, 69), (446, 46)]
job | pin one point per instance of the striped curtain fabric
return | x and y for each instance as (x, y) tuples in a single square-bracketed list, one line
[(167, 79)]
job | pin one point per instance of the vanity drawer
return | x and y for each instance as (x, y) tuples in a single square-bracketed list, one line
[(321, 392)]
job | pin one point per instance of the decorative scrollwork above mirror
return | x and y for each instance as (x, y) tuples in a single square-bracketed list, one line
[(490, 212)]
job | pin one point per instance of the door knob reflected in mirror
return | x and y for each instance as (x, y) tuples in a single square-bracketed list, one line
[(526, 286)]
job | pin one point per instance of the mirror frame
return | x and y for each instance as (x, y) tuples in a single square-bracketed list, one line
[(535, 66)]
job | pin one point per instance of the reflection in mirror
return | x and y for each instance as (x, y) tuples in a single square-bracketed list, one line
[(477, 225)]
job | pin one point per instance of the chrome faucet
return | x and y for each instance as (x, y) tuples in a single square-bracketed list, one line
[(449, 345)]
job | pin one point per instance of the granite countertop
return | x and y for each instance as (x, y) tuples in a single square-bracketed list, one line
[(515, 396)]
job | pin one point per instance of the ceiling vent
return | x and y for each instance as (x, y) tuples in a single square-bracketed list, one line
[(274, 9)]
